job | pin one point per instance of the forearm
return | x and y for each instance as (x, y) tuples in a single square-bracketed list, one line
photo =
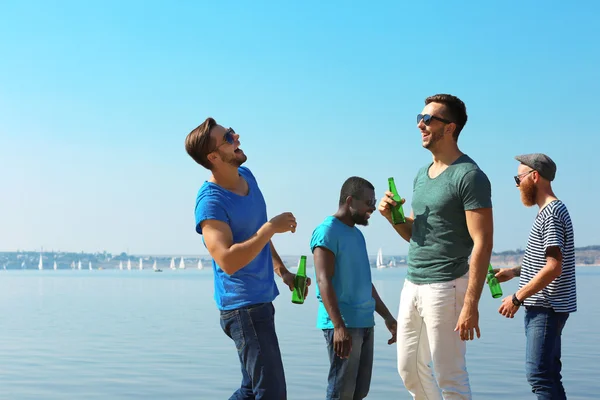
[(241, 254), (540, 281), (380, 306), (330, 302), (278, 265), (480, 259), (405, 229)]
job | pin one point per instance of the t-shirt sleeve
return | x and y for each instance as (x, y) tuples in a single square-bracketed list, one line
[(553, 233), (323, 236), (209, 207), (475, 190)]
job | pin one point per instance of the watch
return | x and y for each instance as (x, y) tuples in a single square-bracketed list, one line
[(516, 301)]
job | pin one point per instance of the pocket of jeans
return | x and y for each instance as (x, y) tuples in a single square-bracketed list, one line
[(231, 323), (443, 285)]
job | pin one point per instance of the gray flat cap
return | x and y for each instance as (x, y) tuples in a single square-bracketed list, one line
[(541, 163)]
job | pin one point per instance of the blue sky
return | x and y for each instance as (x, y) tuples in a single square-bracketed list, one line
[(97, 97)]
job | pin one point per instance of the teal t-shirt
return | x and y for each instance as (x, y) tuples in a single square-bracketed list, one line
[(352, 277), (440, 245)]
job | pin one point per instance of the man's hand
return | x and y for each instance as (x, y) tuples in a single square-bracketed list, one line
[(285, 222), (392, 326), (386, 204), (342, 342), (504, 274), (468, 323), (289, 279), (507, 308)]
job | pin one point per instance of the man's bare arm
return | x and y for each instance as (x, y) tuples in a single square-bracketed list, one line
[(481, 229), (229, 256), (545, 276), (324, 269), (278, 265)]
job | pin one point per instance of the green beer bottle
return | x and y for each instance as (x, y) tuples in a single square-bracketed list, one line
[(397, 212), (300, 282), (493, 283)]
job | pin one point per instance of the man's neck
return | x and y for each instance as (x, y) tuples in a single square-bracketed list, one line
[(445, 156), (227, 177), (344, 216), (545, 196)]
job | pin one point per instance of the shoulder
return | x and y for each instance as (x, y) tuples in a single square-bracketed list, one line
[(328, 225)]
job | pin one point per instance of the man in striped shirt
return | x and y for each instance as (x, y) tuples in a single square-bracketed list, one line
[(547, 276)]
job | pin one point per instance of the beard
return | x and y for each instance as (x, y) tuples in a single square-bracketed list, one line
[(528, 193), (359, 219), (235, 159), (433, 139)]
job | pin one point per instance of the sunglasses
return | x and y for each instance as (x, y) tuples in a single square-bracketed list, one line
[(518, 179), (427, 119), (227, 138)]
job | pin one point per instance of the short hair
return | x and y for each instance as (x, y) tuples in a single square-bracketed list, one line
[(198, 142), (455, 110), (354, 187)]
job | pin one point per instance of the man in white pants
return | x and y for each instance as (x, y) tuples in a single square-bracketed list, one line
[(451, 219)]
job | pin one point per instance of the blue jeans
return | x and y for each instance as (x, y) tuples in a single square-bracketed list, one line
[(350, 378), (252, 329), (543, 329)]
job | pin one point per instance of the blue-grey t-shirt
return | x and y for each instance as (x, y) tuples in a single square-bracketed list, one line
[(254, 283), (352, 276)]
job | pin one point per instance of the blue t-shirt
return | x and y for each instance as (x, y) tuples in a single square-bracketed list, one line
[(352, 277), (254, 283)]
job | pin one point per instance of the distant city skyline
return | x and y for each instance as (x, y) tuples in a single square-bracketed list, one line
[(97, 99)]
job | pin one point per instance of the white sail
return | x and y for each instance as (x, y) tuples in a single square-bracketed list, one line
[(141, 264), (154, 266), (121, 265), (41, 263), (380, 263), (200, 266), (172, 266), (181, 264), (129, 265), (79, 265), (90, 265), (55, 266)]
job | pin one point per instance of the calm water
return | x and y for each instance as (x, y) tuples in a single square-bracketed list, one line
[(144, 335)]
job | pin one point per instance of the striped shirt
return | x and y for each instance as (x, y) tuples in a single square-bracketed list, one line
[(552, 227)]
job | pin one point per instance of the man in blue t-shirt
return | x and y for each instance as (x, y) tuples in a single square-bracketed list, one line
[(346, 295), (231, 216)]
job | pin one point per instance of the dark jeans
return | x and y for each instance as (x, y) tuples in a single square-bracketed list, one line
[(350, 378), (253, 331), (543, 329)]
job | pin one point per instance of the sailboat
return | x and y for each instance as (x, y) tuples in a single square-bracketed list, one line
[(141, 264), (79, 265), (72, 264), (41, 263), (155, 268), (90, 265), (172, 266), (121, 265), (380, 264), (55, 266), (181, 264), (129, 265), (200, 266)]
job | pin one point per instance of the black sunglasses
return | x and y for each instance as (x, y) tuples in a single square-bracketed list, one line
[(518, 179), (227, 138), (427, 119)]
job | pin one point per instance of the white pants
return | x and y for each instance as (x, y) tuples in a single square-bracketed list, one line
[(426, 320)]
